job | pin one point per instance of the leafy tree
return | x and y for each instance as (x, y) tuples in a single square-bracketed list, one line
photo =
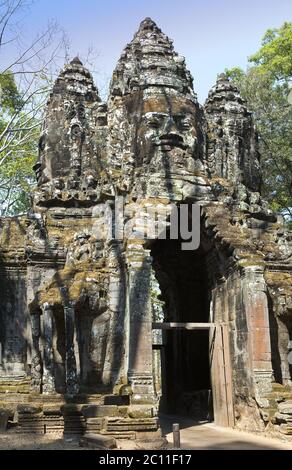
[(26, 76), (9, 96), (274, 57), (19, 129), (265, 87)]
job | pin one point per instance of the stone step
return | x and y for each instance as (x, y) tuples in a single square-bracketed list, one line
[(129, 426), (54, 431), (120, 434), (30, 430), (28, 409), (30, 418)]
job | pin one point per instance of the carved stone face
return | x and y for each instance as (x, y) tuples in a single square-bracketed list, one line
[(61, 142), (167, 133)]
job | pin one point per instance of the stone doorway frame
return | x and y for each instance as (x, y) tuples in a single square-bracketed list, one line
[(220, 367)]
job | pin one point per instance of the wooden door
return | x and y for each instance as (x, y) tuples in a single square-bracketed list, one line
[(221, 376)]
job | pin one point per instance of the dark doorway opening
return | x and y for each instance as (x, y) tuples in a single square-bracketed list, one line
[(185, 298)]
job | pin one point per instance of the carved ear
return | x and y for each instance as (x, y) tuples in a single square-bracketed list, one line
[(42, 143), (36, 166), (77, 132)]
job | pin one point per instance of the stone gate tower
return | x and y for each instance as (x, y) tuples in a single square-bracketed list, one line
[(87, 289)]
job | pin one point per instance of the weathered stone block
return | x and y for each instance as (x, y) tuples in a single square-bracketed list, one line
[(140, 411), (283, 418), (29, 409), (98, 441), (52, 410), (96, 411), (97, 421), (71, 409), (4, 415), (116, 400), (285, 407)]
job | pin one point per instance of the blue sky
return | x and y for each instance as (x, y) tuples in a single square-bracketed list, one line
[(211, 34)]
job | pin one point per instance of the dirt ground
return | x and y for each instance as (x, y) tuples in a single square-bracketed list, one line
[(193, 436), (12, 440), (210, 437)]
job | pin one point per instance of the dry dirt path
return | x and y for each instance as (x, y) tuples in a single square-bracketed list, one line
[(193, 436), (210, 437)]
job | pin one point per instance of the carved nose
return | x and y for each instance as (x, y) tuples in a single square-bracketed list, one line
[(170, 126)]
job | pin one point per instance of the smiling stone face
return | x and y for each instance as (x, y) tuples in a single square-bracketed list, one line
[(167, 134)]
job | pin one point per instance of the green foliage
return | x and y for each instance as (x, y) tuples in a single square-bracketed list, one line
[(26, 71), (10, 99), (265, 87), (18, 146), (274, 57)]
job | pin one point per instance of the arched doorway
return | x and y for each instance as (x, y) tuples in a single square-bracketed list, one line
[(193, 345)]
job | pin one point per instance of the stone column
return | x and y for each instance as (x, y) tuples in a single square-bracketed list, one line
[(70, 365), (36, 360), (257, 315), (48, 368), (114, 367), (140, 373)]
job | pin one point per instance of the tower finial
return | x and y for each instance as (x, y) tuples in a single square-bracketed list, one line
[(76, 60), (222, 77), (147, 23)]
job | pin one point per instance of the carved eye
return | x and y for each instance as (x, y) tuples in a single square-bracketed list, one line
[(71, 113), (102, 120), (186, 124), (76, 131)]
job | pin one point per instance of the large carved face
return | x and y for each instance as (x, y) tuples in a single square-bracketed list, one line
[(60, 143), (167, 133)]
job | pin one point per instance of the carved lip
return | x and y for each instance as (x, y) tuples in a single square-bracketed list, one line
[(169, 141)]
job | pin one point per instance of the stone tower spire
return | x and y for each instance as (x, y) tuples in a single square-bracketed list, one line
[(155, 120), (150, 61), (66, 146), (232, 149)]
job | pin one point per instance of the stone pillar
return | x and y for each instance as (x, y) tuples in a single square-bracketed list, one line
[(36, 360), (140, 373), (257, 315), (48, 369), (114, 368), (70, 366)]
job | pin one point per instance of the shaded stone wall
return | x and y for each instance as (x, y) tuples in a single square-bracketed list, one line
[(14, 324)]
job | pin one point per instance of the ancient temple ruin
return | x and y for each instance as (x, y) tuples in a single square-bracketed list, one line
[(102, 327)]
